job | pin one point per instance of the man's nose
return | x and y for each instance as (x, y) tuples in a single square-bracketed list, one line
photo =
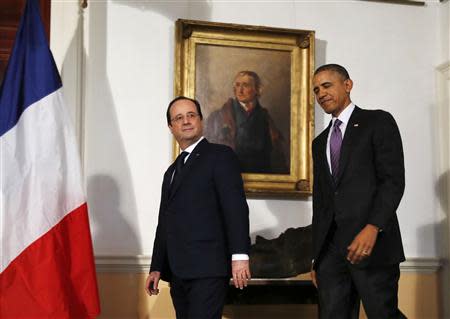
[(321, 93)]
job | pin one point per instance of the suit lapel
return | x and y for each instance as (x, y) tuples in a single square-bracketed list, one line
[(351, 134), (191, 161)]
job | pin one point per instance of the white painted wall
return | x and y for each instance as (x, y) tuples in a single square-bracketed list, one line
[(126, 81)]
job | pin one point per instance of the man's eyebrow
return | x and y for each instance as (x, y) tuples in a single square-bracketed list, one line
[(322, 83)]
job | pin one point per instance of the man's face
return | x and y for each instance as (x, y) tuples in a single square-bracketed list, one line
[(332, 91), (185, 125), (244, 88)]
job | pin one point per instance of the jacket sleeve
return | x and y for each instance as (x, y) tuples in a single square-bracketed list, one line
[(390, 171), (231, 195), (159, 245)]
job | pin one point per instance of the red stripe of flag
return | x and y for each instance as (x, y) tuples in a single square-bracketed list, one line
[(55, 276)]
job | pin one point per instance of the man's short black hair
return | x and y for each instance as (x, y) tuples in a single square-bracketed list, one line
[(335, 68), (197, 105)]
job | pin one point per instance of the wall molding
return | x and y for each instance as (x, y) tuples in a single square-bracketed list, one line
[(140, 264), (421, 265), (123, 264)]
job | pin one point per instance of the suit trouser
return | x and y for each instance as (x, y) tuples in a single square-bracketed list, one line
[(341, 286), (201, 298)]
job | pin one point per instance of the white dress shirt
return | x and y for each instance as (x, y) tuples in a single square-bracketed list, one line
[(344, 117)]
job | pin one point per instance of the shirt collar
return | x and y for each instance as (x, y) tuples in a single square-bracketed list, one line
[(344, 117), (243, 105), (191, 147)]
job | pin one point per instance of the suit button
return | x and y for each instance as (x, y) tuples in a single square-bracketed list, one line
[(336, 193)]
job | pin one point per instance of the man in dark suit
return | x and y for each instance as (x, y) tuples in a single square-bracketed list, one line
[(358, 184), (203, 228)]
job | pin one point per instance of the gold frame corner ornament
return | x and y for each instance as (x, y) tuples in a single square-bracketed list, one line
[(300, 46)]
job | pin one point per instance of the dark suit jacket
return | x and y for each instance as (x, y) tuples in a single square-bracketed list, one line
[(205, 219), (370, 185)]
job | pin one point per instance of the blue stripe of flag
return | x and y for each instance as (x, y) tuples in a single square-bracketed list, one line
[(31, 73)]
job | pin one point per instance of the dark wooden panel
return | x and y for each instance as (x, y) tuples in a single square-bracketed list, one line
[(7, 35), (3, 63), (10, 13)]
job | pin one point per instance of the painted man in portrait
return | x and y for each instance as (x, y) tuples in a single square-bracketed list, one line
[(246, 126)]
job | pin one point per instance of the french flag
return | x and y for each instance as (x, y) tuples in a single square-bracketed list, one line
[(47, 267)]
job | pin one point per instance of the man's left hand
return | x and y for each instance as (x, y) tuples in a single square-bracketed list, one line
[(241, 273), (361, 247)]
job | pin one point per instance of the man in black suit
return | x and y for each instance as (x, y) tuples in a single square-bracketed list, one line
[(203, 227), (358, 184)]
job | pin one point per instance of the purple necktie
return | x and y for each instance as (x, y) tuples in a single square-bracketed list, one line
[(335, 148)]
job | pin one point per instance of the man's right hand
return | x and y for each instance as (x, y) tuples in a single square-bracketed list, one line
[(240, 270), (151, 284)]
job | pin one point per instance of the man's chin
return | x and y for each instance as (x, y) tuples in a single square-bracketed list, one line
[(327, 109), (190, 137), (243, 100)]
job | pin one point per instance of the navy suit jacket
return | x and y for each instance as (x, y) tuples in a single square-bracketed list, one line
[(368, 190), (205, 219)]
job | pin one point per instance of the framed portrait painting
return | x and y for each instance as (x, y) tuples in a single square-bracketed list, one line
[(254, 86)]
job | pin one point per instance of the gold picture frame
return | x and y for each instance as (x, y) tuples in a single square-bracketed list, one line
[(208, 57)]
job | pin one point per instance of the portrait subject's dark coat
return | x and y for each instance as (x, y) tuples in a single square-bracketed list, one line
[(253, 136)]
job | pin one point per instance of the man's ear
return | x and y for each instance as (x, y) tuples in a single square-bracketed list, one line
[(348, 85)]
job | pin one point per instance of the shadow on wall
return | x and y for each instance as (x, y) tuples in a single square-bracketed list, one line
[(70, 75), (110, 195), (442, 241), (110, 190), (108, 218), (319, 114)]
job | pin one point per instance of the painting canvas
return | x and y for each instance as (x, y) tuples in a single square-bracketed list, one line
[(254, 85), (260, 136)]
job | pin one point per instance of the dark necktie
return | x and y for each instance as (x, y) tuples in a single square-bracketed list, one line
[(180, 161), (335, 148), (179, 164)]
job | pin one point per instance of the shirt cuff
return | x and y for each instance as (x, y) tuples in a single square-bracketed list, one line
[(239, 257)]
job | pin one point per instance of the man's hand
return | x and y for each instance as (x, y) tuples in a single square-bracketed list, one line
[(241, 273), (361, 247), (151, 284)]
